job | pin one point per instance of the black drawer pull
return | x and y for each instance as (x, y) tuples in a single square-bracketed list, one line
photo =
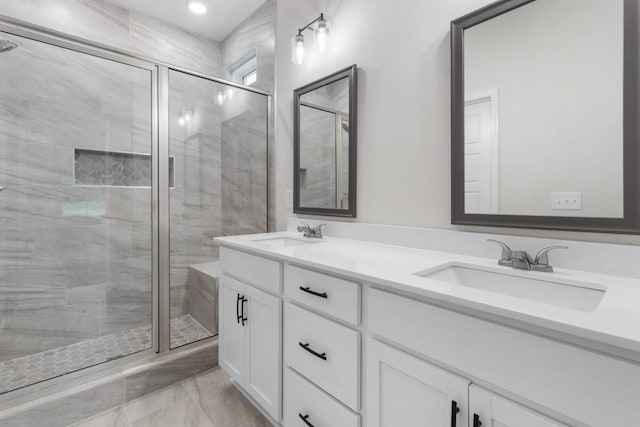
[(305, 418), (318, 294), (476, 420), (322, 356), (454, 413)]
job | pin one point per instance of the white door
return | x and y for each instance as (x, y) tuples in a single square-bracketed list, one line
[(405, 391), (481, 156), (263, 369), (492, 410), (232, 332)]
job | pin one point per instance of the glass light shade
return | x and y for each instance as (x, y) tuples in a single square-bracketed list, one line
[(321, 32), (297, 49)]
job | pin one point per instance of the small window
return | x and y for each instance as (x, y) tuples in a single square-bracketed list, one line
[(250, 78), (244, 71)]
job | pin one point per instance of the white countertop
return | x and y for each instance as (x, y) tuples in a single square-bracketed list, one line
[(612, 327)]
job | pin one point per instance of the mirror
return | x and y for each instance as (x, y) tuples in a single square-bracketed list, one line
[(325, 146), (544, 119)]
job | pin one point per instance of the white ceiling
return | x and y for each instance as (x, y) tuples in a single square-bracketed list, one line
[(221, 18)]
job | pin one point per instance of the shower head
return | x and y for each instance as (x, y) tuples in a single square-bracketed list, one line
[(7, 45)]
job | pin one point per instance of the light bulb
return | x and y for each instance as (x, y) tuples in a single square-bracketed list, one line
[(197, 7), (181, 121), (187, 117), (220, 98), (297, 49), (230, 93), (321, 34)]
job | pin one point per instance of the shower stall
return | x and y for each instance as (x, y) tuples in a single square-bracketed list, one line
[(116, 173)]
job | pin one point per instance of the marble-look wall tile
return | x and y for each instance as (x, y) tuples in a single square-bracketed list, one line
[(108, 24), (158, 377), (170, 44), (202, 294), (256, 33), (244, 173), (67, 410), (32, 331)]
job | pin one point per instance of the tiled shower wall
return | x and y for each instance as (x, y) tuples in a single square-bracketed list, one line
[(75, 262), (111, 25)]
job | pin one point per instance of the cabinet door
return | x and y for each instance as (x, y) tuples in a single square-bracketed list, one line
[(264, 346), (232, 333), (494, 411), (405, 391)]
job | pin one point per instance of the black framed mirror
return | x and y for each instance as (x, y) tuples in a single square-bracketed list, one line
[(324, 146), (545, 116)]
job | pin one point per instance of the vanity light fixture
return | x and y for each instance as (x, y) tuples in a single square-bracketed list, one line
[(197, 6), (321, 28)]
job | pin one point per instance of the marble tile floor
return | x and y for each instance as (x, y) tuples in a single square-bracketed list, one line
[(206, 400), (37, 367)]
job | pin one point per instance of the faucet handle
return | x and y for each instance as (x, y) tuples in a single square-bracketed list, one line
[(506, 250), (542, 258), (318, 230)]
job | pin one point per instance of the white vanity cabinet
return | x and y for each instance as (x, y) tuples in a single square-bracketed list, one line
[(490, 410), (250, 335), (322, 347), (405, 391)]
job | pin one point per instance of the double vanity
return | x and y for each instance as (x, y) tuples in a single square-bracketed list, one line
[(336, 332)]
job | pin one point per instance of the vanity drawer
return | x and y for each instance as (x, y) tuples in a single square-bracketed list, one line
[(336, 297), (324, 352), (305, 399), (253, 269)]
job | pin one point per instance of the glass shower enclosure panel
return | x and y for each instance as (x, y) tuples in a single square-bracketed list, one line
[(218, 149), (75, 211)]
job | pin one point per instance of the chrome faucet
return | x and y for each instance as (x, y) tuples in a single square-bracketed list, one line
[(312, 232), (521, 260)]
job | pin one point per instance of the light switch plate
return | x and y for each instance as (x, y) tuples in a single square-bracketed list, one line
[(566, 201)]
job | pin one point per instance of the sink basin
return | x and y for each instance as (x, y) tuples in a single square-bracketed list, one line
[(284, 241), (575, 295)]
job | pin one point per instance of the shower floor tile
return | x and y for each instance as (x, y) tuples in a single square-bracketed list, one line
[(37, 367)]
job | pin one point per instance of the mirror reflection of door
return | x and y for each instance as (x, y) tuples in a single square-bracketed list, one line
[(481, 154)]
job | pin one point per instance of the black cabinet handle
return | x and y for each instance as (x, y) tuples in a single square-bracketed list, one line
[(476, 420), (305, 418), (238, 315), (454, 413), (309, 291), (242, 316), (322, 356)]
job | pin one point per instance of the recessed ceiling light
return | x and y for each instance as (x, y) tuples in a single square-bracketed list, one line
[(197, 7)]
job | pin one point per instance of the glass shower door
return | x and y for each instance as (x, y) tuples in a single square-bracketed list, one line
[(218, 148), (75, 211)]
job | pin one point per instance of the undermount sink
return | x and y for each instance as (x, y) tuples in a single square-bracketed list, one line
[(577, 295), (284, 241)]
